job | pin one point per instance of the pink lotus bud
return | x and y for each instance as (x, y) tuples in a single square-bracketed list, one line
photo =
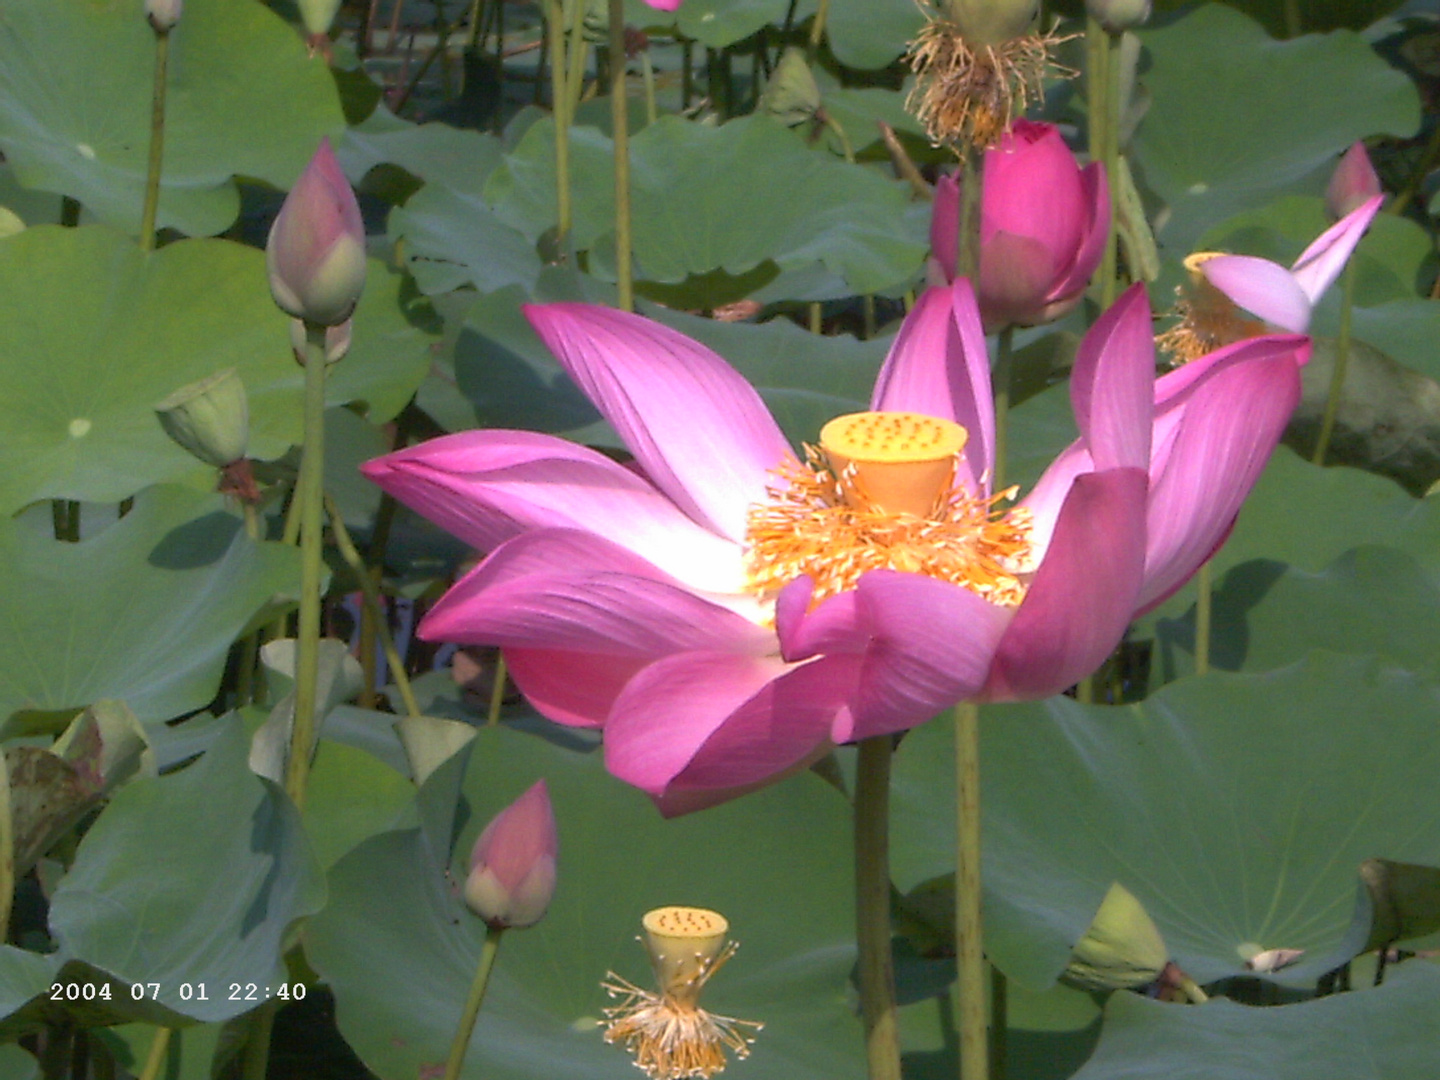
[(1043, 222), (316, 251), (1353, 182), (664, 5), (163, 14), (512, 867)]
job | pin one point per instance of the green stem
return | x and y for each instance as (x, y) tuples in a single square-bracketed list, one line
[(372, 602), (817, 29), (999, 1023), (1202, 620), (472, 36), (972, 179), (1113, 106), (311, 493), (157, 142), (497, 691), (65, 520), (1004, 364), (816, 317), (872, 908), (1294, 25), (579, 52), (620, 121), (1342, 361), (472, 1003), (969, 944), (1417, 178), (647, 70), (256, 1061), (159, 1046), (560, 104)]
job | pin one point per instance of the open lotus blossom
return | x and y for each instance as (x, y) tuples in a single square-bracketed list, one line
[(729, 611), (1231, 297), (1043, 222)]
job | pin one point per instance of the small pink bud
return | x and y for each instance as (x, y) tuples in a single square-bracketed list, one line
[(512, 867), (316, 251), (1353, 182)]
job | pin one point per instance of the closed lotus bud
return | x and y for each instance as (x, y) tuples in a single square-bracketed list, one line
[(209, 418), (1121, 950), (512, 867), (791, 95), (317, 15), (1353, 183), (1118, 15), (163, 14), (992, 22), (316, 251)]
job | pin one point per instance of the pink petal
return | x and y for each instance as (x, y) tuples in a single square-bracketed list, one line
[(1262, 288), (574, 688), (1016, 276), (712, 721), (1048, 496), (1112, 385), (945, 225), (1224, 436), (938, 366), (1033, 189), (488, 486), (931, 646), (1095, 195), (1320, 263), (1353, 182), (664, 5), (833, 627), (696, 427), (1081, 598), (561, 589)]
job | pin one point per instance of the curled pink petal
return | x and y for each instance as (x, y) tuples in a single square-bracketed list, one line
[(696, 427), (1262, 288), (1082, 597), (1353, 183), (1112, 384), (945, 225), (833, 627), (577, 689), (488, 486), (1320, 263)]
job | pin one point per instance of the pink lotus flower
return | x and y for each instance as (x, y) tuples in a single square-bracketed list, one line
[(1353, 183), (726, 614), (1283, 298), (664, 5), (316, 251), (512, 866), (1043, 222)]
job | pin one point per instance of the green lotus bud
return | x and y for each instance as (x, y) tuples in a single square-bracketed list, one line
[(1121, 950), (1118, 15), (317, 15), (791, 95), (991, 22), (163, 14), (209, 418)]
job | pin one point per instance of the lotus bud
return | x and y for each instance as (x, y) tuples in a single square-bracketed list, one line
[(1121, 950), (337, 340), (163, 14), (316, 251), (992, 22), (1353, 183), (792, 95), (512, 867), (1117, 16), (317, 15), (209, 418)]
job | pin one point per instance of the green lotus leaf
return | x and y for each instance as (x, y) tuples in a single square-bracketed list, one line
[(452, 238), (436, 153), (399, 948), (75, 87), (96, 332), (1381, 1034), (191, 881), (1238, 118), (872, 33), (1236, 808), (145, 611), (718, 23)]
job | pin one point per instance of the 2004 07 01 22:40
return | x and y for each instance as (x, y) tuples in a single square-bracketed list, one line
[(90, 991)]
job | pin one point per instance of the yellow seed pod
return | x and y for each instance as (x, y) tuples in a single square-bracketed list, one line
[(896, 462)]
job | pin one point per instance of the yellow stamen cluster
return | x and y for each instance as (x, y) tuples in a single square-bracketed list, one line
[(968, 95), (1208, 318), (819, 524), (671, 1037)]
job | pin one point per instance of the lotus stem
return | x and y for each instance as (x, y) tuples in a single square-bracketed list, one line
[(1202, 620), (872, 908), (497, 691), (472, 1004), (65, 519), (310, 492), (159, 1047), (371, 596), (647, 70), (1004, 364), (257, 1042), (157, 142), (817, 28), (579, 51), (1110, 155), (620, 121), (969, 942), (972, 168), (1342, 361), (999, 1022), (560, 108)]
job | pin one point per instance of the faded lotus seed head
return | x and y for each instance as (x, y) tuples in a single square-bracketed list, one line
[(900, 462)]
